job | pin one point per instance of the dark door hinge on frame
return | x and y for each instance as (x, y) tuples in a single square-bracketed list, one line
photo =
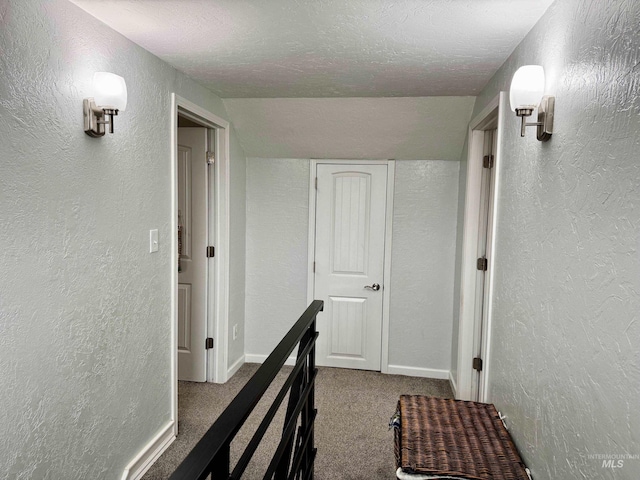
[(208, 343), (482, 264), (477, 364), (488, 161), (211, 251)]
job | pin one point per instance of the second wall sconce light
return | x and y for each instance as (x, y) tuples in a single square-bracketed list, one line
[(526, 94), (109, 98)]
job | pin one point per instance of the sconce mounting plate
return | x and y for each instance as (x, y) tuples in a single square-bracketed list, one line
[(545, 117), (92, 125)]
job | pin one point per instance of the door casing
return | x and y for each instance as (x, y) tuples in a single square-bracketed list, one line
[(218, 280), (386, 291), (493, 112)]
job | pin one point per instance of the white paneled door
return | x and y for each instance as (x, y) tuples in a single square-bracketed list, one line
[(349, 263), (192, 275)]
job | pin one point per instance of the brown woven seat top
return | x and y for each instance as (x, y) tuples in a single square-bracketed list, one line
[(440, 436)]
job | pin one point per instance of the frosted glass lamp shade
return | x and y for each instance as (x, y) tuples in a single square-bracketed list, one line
[(527, 87), (109, 98), (109, 91)]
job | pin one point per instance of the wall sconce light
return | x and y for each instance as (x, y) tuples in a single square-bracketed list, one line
[(527, 94), (109, 98)]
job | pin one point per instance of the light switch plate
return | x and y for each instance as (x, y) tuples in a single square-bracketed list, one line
[(153, 240)]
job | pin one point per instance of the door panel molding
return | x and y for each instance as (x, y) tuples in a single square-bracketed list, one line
[(384, 346), (349, 313), (184, 331), (184, 186)]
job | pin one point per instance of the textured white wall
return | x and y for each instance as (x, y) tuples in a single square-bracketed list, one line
[(277, 231), (462, 186), (237, 248), (422, 264), (84, 308), (424, 235), (566, 342), (414, 128)]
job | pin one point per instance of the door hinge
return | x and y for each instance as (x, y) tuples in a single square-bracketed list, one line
[(482, 264), (488, 161), (208, 343), (211, 158), (314, 267), (211, 252), (316, 183), (477, 364)]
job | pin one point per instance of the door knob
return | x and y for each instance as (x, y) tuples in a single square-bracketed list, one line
[(375, 287)]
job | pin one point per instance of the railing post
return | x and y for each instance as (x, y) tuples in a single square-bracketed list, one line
[(221, 464), (307, 468)]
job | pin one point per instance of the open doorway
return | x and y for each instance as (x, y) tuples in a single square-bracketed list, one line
[(474, 338), (200, 270)]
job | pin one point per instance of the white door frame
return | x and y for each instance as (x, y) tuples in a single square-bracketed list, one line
[(386, 291), (218, 276), (495, 108)]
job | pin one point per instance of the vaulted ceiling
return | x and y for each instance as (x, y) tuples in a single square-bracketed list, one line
[(327, 48)]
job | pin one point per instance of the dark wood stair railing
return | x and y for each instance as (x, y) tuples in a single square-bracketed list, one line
[(295, 454)]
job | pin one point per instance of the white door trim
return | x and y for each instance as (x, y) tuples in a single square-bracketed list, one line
[(469, 251), (386, 292), (218, 284)]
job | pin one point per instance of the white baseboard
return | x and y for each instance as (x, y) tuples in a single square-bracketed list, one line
[(454, 387), (235, 367), (150, 453), (258, 358), (418, 372)]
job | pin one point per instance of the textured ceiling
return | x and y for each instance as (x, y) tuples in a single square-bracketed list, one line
[(327, 48)]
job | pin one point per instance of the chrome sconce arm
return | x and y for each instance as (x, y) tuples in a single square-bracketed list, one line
[(545, 118)]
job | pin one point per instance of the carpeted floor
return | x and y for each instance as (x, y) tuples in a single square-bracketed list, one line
[(351, 434)]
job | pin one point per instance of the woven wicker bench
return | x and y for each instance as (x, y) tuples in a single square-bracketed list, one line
[(444, 438)]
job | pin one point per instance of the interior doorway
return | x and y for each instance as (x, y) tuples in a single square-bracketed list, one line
[(478, 249), (206, 239)]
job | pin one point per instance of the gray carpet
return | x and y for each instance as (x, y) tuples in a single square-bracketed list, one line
[(352, 435)]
